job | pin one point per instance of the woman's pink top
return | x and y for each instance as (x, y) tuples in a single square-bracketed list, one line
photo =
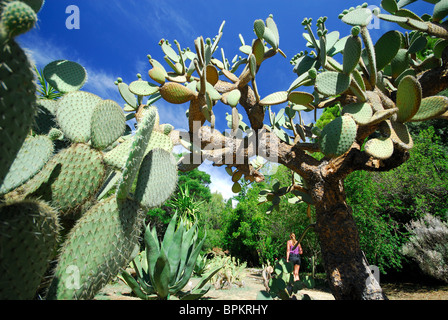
[(295, 251)]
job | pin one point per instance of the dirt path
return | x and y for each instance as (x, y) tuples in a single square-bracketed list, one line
[(253, 284)]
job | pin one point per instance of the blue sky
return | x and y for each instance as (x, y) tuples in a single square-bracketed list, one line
[(116, 36)]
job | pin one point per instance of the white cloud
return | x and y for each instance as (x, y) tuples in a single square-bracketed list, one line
[(150, 18), (221, 181)]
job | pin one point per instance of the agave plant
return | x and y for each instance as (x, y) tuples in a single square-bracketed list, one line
[(164, 269)]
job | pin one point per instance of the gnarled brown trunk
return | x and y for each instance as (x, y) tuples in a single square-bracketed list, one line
[(348, 272)]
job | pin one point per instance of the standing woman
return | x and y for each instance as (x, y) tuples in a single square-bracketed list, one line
[(293, 252)]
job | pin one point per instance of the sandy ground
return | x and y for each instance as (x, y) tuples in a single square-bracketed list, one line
[(253, 284)]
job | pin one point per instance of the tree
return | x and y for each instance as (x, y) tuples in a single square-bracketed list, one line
[(379, 88), (197, 183)]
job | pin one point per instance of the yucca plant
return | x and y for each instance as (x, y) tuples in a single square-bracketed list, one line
[(186, 205), (164, 268), (46, 90)]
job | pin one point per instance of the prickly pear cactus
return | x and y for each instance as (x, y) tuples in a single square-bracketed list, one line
[(17, 93), (29, 232), (282, 285), (17, 17), (62, 155)]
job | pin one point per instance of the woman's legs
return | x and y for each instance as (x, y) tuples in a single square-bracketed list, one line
[(296, 272)]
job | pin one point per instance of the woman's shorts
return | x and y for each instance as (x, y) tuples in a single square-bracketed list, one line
[(295, 259)]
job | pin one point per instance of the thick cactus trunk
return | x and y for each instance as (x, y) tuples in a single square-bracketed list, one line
[(348, 272)]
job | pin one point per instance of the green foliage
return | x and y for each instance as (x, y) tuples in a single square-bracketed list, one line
[(418, 186), (388, 201), (184, 203), (197, 198), (197, 182), (380, 235), (201, 266), (328, 115)]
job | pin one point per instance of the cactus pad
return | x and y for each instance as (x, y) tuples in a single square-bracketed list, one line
[(80, 176), (409, 97), (98, 246), (143, 88), (36, 5), (275, 98), (398, 132), (212, 75), (400, 62), (259, 28), (17, 102), (28, 238), (127, 95), (338, 136), (176, 93), (45, 119), (358, 17), (33, 155), (430, 108), (158, 75), (157, 178), (17, 17), (440, 11), (382, 115), (386, 48), (55, 134), (361, 112), (234, 97), (137, 152), (381, 148), (117, 156), (65, 76), (108, 124), (352, 53), (74, 115), (331, 83), (258, 51), (302, 98)]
